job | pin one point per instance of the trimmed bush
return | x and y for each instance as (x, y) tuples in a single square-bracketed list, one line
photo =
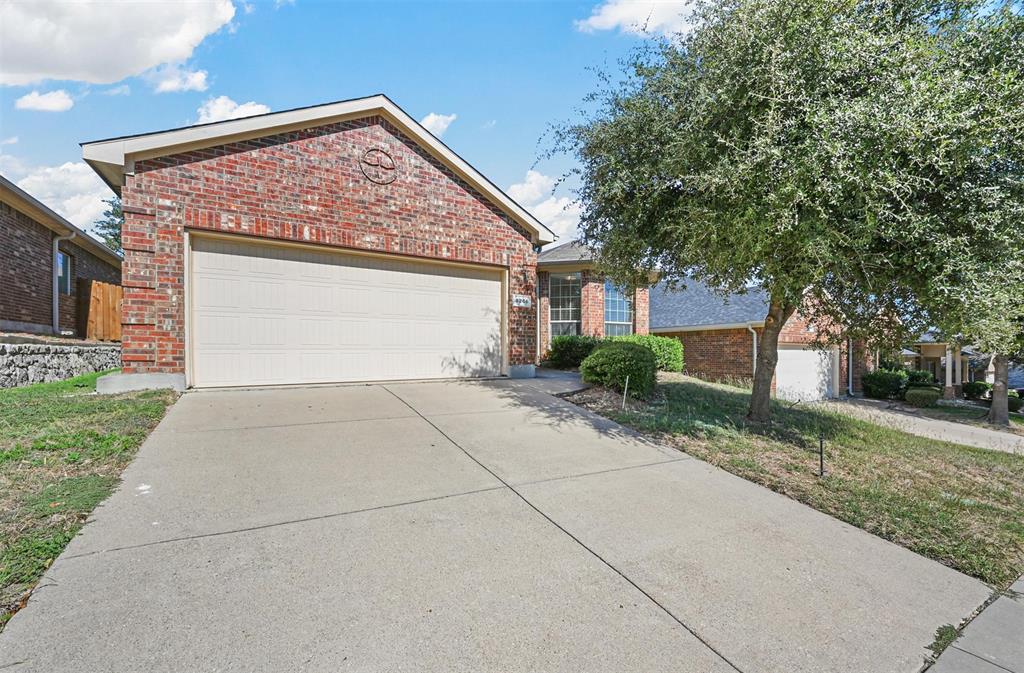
[(922, 397), (919, 377), (610, 364), (568, 351), (884, 384), (1013, 400), (975, 390), (668, 352)]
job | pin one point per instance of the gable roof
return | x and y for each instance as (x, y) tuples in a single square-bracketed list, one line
[(114, 157), (566, 253), (697, 306), (22, 201)]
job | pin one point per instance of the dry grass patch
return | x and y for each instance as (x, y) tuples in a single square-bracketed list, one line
[(961, 506), (62, 450)]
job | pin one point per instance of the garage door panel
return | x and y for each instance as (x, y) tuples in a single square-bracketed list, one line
[(265, 315), (804, 374)]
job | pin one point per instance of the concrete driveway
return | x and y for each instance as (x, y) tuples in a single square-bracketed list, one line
[(462, 527)]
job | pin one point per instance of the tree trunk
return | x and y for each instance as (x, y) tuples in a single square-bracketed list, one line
[(767, 357), (999, 414)]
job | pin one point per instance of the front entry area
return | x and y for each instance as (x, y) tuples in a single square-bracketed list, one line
[(276, 314)]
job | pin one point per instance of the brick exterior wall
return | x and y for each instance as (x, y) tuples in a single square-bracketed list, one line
[(27, 272), (722, 355), (304, 186), (591, 307)]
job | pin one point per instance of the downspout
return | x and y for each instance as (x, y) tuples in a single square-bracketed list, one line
[(849, 367), (56, 282), (537, 320), (753, 333)]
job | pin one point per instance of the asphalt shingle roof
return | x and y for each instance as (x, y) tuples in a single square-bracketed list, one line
[(567, 252), (697, 305)]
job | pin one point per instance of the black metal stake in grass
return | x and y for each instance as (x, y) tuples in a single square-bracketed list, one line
[(821, 454)]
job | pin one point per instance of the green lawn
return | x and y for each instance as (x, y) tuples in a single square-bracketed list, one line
[(62, 450), (958, 505)]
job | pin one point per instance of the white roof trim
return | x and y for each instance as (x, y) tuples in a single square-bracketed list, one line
[(114, 157), (706, 328)]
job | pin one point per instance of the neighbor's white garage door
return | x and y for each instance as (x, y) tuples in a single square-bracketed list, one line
[(267, 314), (804, 374)]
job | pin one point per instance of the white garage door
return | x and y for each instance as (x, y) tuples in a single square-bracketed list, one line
[(268, 315), (804, 374)]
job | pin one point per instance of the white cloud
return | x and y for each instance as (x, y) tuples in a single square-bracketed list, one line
[(489, 124), (638, 17), (278, 4), (123, 90), (51, 101), (13, 140), (101, 42), (438, 123), (173, 78), (221, 108), (248, 7), (72, 189), (559, 213)]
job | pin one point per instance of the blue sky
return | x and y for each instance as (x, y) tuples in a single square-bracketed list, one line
[(489, 76)]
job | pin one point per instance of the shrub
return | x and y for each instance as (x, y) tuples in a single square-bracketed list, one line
[(922, 397), (568, 351), (1013, 400), (668, 352), (885, 384), (610, 364), (975, 390), (919, 377)]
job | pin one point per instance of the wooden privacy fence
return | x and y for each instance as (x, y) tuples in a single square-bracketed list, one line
[(99, 310)]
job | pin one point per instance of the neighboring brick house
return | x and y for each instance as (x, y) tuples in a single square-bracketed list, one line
[(340, 242), (30, 272), (577, 299), (719, 336)]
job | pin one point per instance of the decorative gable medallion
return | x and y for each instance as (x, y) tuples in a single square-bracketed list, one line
[(378, 166)]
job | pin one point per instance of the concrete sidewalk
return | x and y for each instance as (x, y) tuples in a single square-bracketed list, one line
[(881, 412), (994, 640), (462, 527)]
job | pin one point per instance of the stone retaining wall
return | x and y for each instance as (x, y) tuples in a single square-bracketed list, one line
[(22, 364)]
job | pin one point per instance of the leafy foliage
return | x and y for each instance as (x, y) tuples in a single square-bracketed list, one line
[(569, 350), (109, 228), (975, 390), (839, 155), (884, 384), (917, 377), (614, 362), (668, 352), (922, 397)]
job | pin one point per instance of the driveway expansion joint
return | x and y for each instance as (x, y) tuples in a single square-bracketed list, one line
[(276, 524), (575, 539), (600, 472), (292, 425)]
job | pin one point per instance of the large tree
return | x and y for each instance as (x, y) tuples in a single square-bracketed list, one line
[(819, 149)]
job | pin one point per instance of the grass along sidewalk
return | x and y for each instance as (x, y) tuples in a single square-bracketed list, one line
[(961, 506), (62, 450), (977, 416)]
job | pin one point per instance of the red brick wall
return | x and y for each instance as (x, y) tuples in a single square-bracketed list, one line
[(304, 186), (27, 272), (592, 308), (717, 355)]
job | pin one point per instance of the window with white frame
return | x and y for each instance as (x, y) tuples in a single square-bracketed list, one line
[(564, 290), (618, 311), (64, 272)]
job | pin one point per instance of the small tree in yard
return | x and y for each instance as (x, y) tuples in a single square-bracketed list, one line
[(109, 228), (823, 150)]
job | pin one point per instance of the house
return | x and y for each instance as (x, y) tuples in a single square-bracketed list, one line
[(933, 354), (42, 258), (338, 242), (575, 298), (720, 339)]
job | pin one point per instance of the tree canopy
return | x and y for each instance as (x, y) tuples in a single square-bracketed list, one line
[(840, 154), (109, 228)]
